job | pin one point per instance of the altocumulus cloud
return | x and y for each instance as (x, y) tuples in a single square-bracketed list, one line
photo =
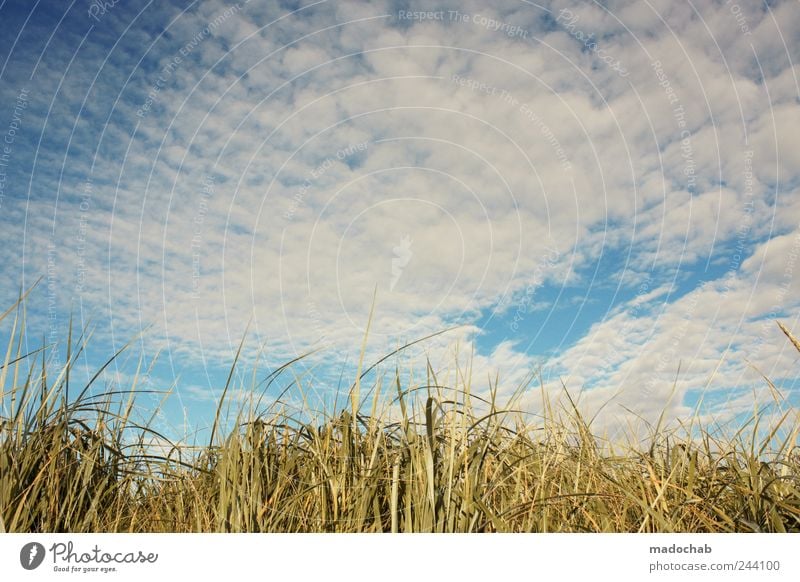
[(619, 181)]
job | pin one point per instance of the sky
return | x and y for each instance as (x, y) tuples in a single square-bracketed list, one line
[(604, 196)]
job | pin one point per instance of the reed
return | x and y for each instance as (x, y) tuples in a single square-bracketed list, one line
[(423, 458)]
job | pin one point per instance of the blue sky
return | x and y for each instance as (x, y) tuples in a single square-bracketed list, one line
[(604, 192)]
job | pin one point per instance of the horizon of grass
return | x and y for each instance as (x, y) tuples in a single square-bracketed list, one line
[(441, 459)]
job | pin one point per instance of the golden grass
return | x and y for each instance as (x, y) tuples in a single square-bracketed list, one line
[(445, 460)]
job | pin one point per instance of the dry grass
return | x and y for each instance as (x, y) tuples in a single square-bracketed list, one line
[(443, 461)]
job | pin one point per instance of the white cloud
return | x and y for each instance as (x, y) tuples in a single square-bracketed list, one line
[(301, 224)]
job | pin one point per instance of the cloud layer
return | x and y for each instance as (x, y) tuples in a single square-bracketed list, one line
[(619, 181)]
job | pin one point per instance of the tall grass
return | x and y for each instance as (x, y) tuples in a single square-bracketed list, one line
[(435, 459)]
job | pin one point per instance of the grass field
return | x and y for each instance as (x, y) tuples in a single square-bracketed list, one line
[(444, 460)]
